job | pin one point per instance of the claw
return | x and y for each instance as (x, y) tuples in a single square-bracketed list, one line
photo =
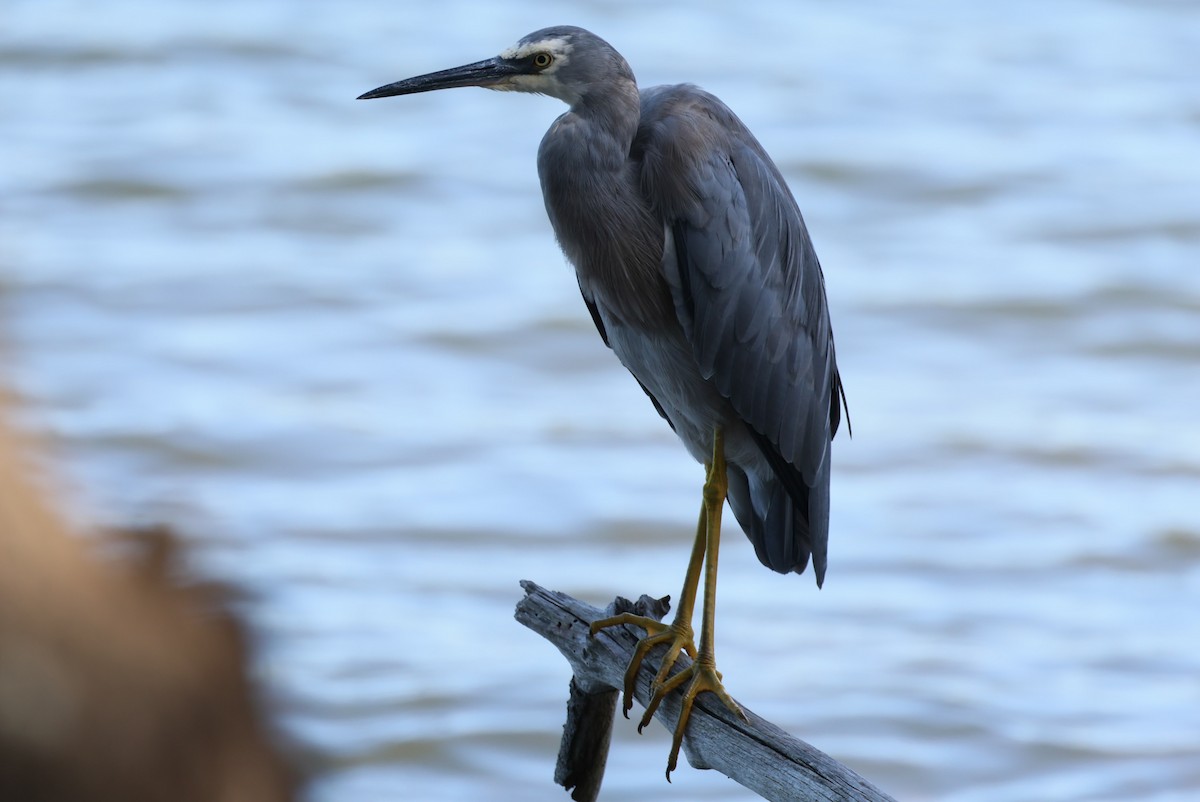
[(677, 635), (700, 676), (704, 678)]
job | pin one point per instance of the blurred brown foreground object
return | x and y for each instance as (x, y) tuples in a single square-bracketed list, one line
[(116, 684)]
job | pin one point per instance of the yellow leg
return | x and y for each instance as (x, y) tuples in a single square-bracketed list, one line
[(702, 674)]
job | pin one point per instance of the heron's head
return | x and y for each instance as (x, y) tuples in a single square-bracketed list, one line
[(564, 62)]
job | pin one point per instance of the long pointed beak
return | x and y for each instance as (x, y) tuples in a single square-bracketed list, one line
[(488, 72)]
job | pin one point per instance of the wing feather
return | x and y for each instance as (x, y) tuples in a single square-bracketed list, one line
[(749, 291)]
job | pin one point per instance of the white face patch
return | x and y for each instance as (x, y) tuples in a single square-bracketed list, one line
[(544, 82), (558, 47)]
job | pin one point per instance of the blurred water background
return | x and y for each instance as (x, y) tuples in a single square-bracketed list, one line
[(335, 344)]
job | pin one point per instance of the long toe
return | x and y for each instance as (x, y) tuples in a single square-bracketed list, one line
[(701, 676), (677, 637)]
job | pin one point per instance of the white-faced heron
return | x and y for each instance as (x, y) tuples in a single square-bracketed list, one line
[(699, 273)]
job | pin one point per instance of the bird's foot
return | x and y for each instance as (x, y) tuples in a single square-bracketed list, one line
[(701, 675), (676, 636)]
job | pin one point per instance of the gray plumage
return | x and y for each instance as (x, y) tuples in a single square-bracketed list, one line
[(695, 263)]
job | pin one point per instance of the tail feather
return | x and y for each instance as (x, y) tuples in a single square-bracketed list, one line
[(781, 537)]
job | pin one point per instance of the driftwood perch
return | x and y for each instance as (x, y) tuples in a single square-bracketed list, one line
[(754, 753)]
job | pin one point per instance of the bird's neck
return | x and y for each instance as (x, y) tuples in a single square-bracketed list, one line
[(601, 218), (612, 113)]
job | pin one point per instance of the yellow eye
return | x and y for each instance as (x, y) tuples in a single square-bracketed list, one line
[(542, 60)]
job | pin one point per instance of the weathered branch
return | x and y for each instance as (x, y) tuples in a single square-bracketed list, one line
[(753, 753)]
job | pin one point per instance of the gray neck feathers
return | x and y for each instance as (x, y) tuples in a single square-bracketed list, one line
[(600, 217)]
